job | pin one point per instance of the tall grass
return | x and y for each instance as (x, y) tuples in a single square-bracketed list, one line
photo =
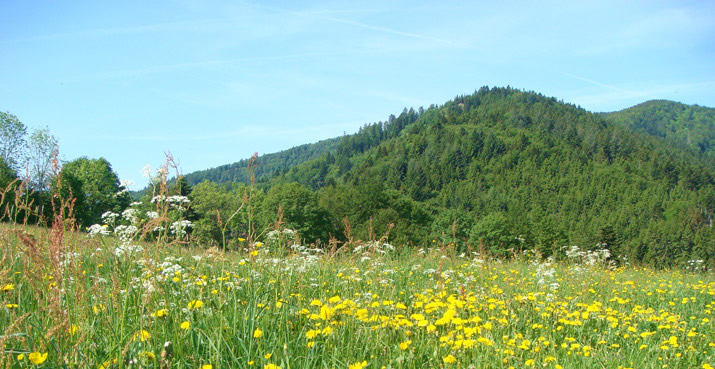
[(294, 307)]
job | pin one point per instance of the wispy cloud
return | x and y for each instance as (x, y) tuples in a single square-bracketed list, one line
[(596, 83), (391, 31), (181, 26)]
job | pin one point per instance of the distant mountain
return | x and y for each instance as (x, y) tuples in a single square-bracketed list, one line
[(267, 165), (689, 126)]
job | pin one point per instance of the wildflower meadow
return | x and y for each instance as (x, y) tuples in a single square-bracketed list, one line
[(106, 299)]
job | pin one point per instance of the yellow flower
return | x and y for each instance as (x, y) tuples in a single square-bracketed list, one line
[(142, 335), (271, 366), (98, 308), (358, 365), (207, 366), (37, 358), (195, 304), (251, 362), (529, 362), (449, 359), (257, 333), (185, 325), (11, 306), (161, 313), (107, 364), (707, 366), (7, 287), (268, 356), (20, 357), (241, 239), (405, 345), (147, 354), (73, 329)]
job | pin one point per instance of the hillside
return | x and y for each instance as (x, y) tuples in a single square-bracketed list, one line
[(504, 169), (688, 126), (267, 165)]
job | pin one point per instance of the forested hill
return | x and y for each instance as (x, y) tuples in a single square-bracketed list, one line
[(504, 169), (267, 165), (690, 126)]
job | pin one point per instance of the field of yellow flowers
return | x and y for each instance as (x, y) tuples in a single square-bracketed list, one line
[(69, 300)]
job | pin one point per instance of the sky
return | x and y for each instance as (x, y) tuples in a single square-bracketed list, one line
[(212, 82)]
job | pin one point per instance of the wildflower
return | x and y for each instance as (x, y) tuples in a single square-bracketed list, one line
[(207, 366), (271, 366), (268, 356), (147, 354), (11, 306), (405, 345), (449, 359), (358, 365), (529, 362), (195, 304), (142, 335), (107, 364), (7, 287), (73, 329), (257, 333), (98, 308), (37, 358), (161, 313), (185, 325), (20, 357)]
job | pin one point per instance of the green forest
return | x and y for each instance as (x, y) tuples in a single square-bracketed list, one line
[(499, 172)]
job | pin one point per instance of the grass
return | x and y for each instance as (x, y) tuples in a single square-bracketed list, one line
[(167, 306)]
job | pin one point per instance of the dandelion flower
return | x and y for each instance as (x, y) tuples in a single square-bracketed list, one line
[(257, 333), (207, 366), (449, 359), (195, 304), (142, 335), (185, 325), (405, 345), (358, 365), (7, 287), (271, 366), (37, 358)]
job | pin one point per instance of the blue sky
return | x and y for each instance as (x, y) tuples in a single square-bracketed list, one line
[(214, 81)]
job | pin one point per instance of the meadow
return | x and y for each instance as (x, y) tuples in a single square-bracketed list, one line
[(79, 301)]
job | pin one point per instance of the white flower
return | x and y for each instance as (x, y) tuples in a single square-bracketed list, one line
[(97, 229), (146, 171)]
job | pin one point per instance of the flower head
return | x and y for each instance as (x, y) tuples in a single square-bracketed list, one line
[(37, 358)]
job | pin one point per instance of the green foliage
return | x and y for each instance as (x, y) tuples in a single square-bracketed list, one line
[(296, 207), (494, 234), (12, 139), (214, 207), (453, 226), (95, 187)]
